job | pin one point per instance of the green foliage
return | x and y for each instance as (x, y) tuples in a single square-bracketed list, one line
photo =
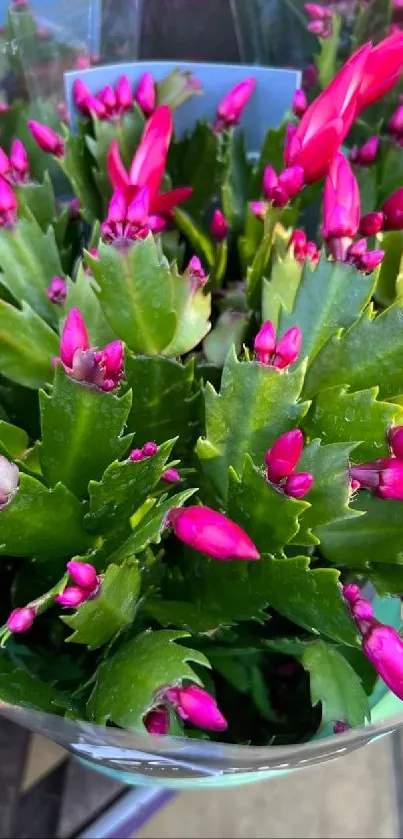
[(278, 294), (336, 685), (27, 346), (373, 537), (326, 61), (190, 159), (39, 201), (13, 441), (149, 523), (18, 687)]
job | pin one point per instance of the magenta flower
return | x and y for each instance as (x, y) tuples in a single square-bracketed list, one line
[(362, 259), (9, 480), (367, 154), (211, 533), (124, 94), (383, 477), (280, 189), (8, 205), (395, 438), (302, 249), (393, 211), (136, 455), (157, 720), (193, 704), (381, 644), (371, 224), (101, 368), (279, 354), (83, 575), (171, 476), (341, 207), (46, 138), (265, 343), (146, 96), (218, 226), (19, 161), (298, 485), (71, 597), (299, 103), (281, 461), (150, 449), (196, 273), (231, 107), (382, 70), (20, 620), (57, 291)]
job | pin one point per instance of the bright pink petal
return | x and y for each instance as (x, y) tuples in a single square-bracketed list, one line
[(149, 162), (116, 171), (74, 337), (168, 200)]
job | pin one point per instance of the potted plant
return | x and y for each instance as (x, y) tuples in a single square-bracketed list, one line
[(201, 479)]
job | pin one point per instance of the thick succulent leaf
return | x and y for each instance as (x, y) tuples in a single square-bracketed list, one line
[(165, 400), (254, 406), (336, 685), (366, 355), (192, 310), (337, 415), (327, 299), (38, 521), (270, 518), (249, 241), (176, 88), (81, 432), (76, 165), (310, 598), (189, 161), (128, 682), (129, 283), (259, 267), (27, 346), (367, 184), (124, 487), (372, 21), (37, 200), (29, 260), (13, 441), (390, 271), (326, 61), (374, 537), (194, 617), (235, 184), (81, 295), (18, 687), (392, 166), (330, 493), (229, 330), (279, 292), (97, 620), (200, 241), (387, 579)]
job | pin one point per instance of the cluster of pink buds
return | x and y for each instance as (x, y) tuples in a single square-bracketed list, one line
[(101, 368), (8, 204), (384, 476), (196, 273), (299, 103), (219, 226), (86, 584), (130, 221), (320, 19), (192, 704), (149, 450), (146, 95), (15, 169), (281, 189), (211, 533), (366, 154), (363, 259), (281, 461), (57, 291), (231, 107), (302, 249), (381, 644), (390, 216), (46, 138), (110, 103), (279, 354)]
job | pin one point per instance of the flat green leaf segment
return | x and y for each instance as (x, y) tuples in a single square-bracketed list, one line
[(13, 441), (330, 493), (235, 185), (165, 401), (128, 683), (278, 295), (270, 517), (42, 522), (336, 685), (37, 200), (255, 405), (27, 346), (328, 299), (366, 355), (81, 432), (98, 620), (189, 161), (326, 61), (192, 309), (310, 598), (130, 284), (29, 260), (123, 489), (18, 687), (337, 415), (374, 537), (200, 241), (76, 164)]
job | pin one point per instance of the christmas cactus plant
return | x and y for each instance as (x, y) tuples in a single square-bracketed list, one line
[(201, 434)]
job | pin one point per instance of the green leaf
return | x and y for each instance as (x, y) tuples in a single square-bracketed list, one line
[(27, 346), (250, 241), (81, 432), (326, 61), (13, 441), (374, 537), (390, 268), (194, 617), (367, 184), (330, 493), (366, 355), (38, 521), (176, 88), (387, 579), (327, 299), (97, 620), (198, 239), (310, 598), (279, 292), (336, 685), (269, 517), (372, 22), (391, 171), (192, 309), (124, 487), (255, 405), (127, 131), (229, 330), (129, 284), (256, 272), (188, 162), (81, 295), (164, 402), (76, 164), (38, 200), (337, 415), (234, 188), (18, 687), (29, 260), (150, 522), (128, 682)]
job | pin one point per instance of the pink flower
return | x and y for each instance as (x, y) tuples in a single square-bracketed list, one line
[(19, 160), (280, 189), (284, 455), (46, 138), (124, 94), (171, 476), (150, 449), (383, 477), (279, 354), (393, 211), (218, 226), (146, 95), (20, 620), (57, 291), (371, 224), (8, 204), (303, 250), (231, 107), (395, 437), (362, 259), (211, 533), (341, 207), (9, 480), (265, 343), (83, 575), (136, 455), (101, 368), (298, 485), (196, 273), (383, 647), (351, 592), (365, 155), (382, 70), (71, 597), (157, 720), (196, 706), (299, 103)]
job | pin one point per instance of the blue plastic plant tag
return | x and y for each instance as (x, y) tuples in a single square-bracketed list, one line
[(272, 96)]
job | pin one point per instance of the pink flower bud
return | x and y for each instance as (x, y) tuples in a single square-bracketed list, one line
[(299, 103), (196, 706), (265, 342), (393, 211), (309, 76), (358, 249), (211, 533), (196, 272), (71, 597), (340, 726), (354, 485), (171, 476), (371, 224), (83, 574), (362, 610), (57, 291), (20, 620), (341, 207), (369, 151), (8, 201), (9, 480), (81, 94), (284, 455), (218, 226), (136, 455), (351, 592), (270, 181), (316, 11), (298, 239), (231, 107), (93, 105), (259, 209), (395, 124), (279, 197), (110, 361), (108, 98), (124, 93), (83, 62), (74, 337), (320, 27), (5, 164), (145, 95), (383, 647), (298, 485), (371, 260), (391, 481), (291, 180), (395, 437), (157, 720), (19, 158), (46, 138), (288, 348), (150, 449)]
